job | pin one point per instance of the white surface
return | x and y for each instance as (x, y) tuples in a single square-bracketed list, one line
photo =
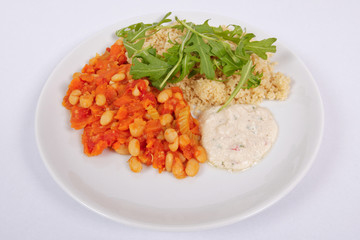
[(37, 35), (215, 197)]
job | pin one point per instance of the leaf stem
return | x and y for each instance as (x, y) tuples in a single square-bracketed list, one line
[(194, 31), (153, 26), (245, 74), (181, 54)]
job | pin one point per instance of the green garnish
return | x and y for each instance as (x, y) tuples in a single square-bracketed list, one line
[(204, 50), (245, 74)]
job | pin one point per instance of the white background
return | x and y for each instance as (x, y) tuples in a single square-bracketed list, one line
[(36, 35)]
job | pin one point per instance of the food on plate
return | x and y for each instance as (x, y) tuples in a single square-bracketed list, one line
[(237, 137), (135, 97), (206, 62), (155, 127)]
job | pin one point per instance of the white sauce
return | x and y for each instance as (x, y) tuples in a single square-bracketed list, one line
[(237, 137)]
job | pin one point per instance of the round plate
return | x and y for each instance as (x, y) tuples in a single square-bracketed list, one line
[(214, 197)]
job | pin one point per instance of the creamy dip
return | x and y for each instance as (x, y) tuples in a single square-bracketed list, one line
[(237, 137)]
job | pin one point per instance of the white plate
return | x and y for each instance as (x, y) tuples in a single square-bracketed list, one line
[(214, 197)]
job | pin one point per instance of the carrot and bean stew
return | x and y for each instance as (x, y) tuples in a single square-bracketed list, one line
[(129, 116)]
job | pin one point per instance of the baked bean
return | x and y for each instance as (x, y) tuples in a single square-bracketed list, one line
[(175, 145), (178, 96), (76, 75), (73, 100), (192, 167), (100, 99), (166, 119), (86, 100), (170, 135), (106, 117), (137, 127), (200, 154), (135, 92), (178, 169), (169, 161), (135, 164), (134, 147), (118, 77), (114, 84), (181, 157), (123, 150), (145, 159), (164, 95), (74, 96)]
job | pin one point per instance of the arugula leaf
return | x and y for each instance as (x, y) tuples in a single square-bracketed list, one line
[(230, 35), (137, 31), (218, 49), (152, 51), (133, 48), (245, 74), (229, 60), (204, 28), (181, 52), (240, 51), (133, 35), (260, 48), (150, 66), (193, 72), (253, 81), (186, 65), (172, 54), (227, 63), (197, 44)]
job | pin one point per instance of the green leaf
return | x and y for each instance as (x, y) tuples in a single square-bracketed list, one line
[(172, 55), (193, 72), (260, 48), (150, 66), (240, 51), (204, 28), (152, 51), (181, 53), (132, 48), (138, 31), (253, 81), (226, 57), (186, 66), (230, 35), (245, 74), (197, 44), (217, 48), (178, 26)]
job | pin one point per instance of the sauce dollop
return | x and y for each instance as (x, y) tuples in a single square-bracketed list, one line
[(237, 137)]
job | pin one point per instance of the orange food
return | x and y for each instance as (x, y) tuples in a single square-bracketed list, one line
[(115, 110)]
